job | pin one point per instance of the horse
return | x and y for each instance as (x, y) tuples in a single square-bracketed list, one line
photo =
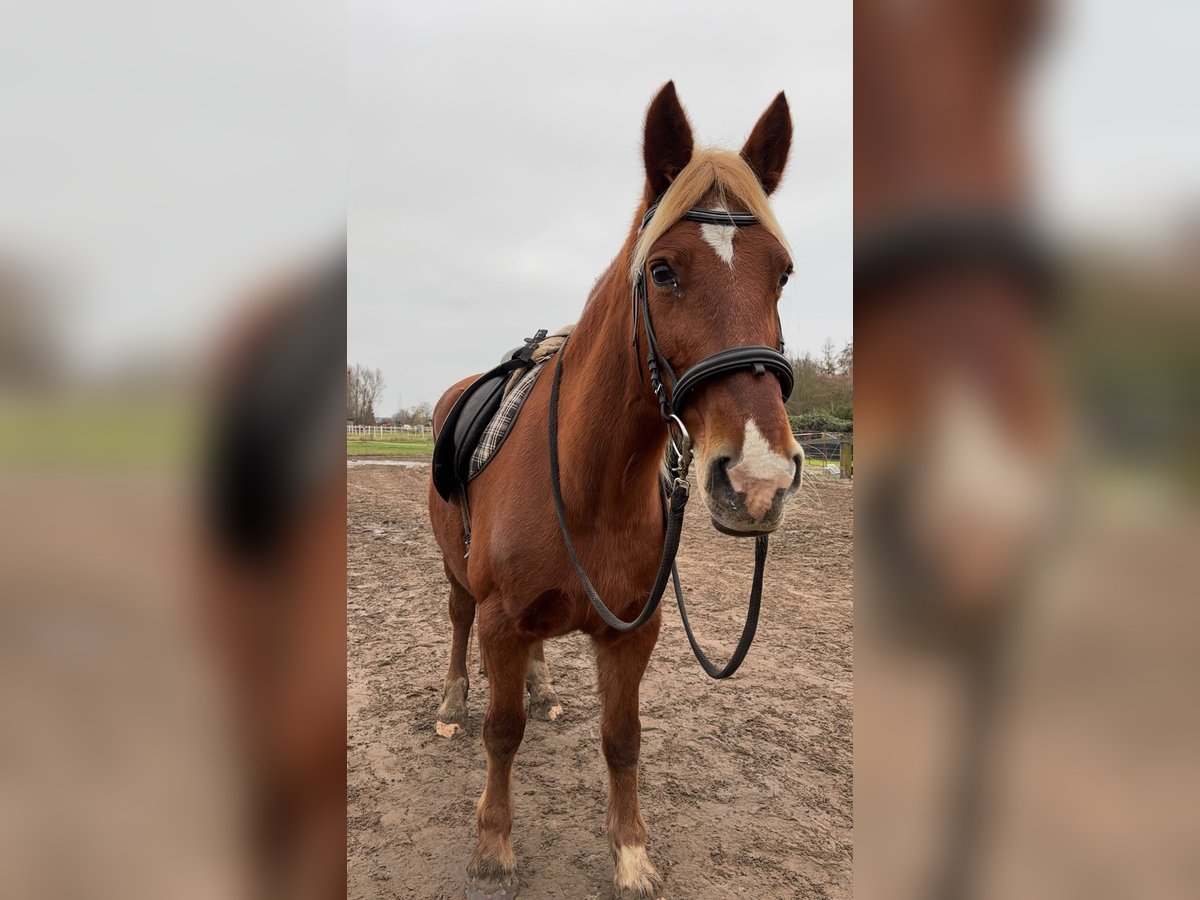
[(272, 571), (707, 287), (959, 443)]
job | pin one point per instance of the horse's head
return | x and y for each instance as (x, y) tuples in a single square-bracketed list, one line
[(958, 426), (711, 287)]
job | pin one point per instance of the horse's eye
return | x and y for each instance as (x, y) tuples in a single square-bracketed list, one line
[(783, 279), (663, 274)]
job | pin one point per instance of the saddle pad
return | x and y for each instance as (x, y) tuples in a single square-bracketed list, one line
[(501, 423)]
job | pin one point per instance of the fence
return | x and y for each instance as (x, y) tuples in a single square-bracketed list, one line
[(829, 449), (382, 431)]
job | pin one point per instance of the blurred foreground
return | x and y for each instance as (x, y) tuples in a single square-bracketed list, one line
[(172, 568), (171, 481), (1026, 641)]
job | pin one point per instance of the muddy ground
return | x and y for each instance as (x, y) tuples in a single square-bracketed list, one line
[(745, 784)]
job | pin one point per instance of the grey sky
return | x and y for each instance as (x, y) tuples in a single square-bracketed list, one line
[(1114, 113), (158, 160), (495, 163)]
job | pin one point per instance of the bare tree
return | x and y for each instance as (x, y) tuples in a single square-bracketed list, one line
[(422, 413), (364, 388), (828, 358), (845, 362), (413, 415)]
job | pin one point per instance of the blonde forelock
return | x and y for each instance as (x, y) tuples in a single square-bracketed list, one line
[(722, 171)]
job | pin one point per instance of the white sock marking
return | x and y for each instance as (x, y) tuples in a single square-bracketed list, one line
[(634, 870)]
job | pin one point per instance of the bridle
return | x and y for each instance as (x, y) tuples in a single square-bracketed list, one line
[(675, 488), (949, 238)]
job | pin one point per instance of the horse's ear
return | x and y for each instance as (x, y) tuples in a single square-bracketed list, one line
[(767, 147), (667, 145)]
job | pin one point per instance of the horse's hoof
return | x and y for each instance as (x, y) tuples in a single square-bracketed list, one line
[(545, 706), (636, 894), (492, 887), (452, 714)]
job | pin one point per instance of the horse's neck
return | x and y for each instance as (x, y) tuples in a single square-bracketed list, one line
[(617, 437)]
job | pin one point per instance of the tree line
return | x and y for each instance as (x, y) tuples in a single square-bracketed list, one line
[(364, 390), (823, 398)]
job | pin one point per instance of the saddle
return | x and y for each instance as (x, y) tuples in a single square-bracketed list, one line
[(460, 451)]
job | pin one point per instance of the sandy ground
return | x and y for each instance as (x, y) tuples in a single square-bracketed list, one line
[(745, 784)]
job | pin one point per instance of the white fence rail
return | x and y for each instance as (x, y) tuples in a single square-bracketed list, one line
[(378, 431)]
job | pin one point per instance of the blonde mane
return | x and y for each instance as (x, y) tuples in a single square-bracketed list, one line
[(708, 170)]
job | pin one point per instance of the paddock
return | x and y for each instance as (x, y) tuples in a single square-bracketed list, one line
[(746, 785)]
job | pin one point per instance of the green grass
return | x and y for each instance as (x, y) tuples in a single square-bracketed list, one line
[(98, 431), (820, 462), (389, 445)]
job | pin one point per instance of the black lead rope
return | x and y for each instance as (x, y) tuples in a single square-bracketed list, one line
[(748, 629), (673, 511)]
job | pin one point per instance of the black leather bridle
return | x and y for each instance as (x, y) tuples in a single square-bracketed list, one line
[(671, 403), (948, 238)]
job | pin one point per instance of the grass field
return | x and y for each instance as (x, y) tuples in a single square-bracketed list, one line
[(99, 431), (390, 445)]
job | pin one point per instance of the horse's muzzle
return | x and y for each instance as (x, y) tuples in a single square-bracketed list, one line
[(743, 503)]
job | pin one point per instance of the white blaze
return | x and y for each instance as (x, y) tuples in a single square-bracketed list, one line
[(760, 471), (720, 238), (981, 498)]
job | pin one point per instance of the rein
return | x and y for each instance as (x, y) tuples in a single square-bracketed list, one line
[(676, 489)]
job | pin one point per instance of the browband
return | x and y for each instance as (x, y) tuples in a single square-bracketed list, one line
[(705, 216)]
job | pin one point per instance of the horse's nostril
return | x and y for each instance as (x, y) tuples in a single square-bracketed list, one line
[(718, 475)]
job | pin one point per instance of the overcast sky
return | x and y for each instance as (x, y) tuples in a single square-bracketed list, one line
[(158, 160), (1115, 118), (495, 163)]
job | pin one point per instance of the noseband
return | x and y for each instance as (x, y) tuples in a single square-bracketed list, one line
[(755, 358), (952, 238)]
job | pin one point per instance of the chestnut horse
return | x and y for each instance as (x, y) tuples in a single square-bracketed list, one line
[(710, 287)]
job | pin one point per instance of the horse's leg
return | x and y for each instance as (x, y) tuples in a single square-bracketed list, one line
[(620, 664), (452, 714), (543, 701), (479, 647), (491, 874)]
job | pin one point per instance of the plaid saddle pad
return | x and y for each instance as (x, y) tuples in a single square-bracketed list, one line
[(515, 394)]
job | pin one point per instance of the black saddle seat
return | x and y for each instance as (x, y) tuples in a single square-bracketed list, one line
[(469, 417)]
